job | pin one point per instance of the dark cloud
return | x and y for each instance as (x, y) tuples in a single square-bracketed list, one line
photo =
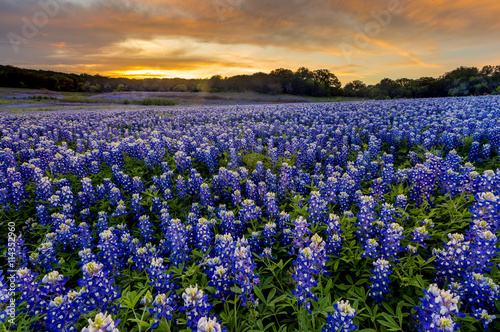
[(112, 35)]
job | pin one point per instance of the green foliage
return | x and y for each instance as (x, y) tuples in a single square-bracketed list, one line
[(251, 159), (180, 88)]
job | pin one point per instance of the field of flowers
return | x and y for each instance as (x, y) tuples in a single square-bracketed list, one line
[(372, 216)]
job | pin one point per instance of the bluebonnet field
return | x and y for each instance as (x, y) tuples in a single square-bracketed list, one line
[(377, 216)]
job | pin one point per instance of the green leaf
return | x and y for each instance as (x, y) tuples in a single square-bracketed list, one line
[(390, 322), (271, 295), (140, 322), (258, 292)]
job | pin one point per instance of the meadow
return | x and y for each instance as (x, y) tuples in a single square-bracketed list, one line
[(365, 216)]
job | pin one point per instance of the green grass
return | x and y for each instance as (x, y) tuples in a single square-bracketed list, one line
[(19, 101), (85, 100), (150, 102), (324, 99)]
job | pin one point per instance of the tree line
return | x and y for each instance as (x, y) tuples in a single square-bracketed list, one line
[(461, 81)]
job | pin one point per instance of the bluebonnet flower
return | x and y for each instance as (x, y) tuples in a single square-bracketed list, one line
[(365, 218), (54, 283), (44, 189), (115, 196), (380, 280), (64, 311), (249, 211), (387, 173), (98, 286), (206, 324), (269, 233), (378, 189), (401, 202), (251, 190), (334, 238), (255, 242), (374, 146), (341, 320), (205, 195), (146, 228), (452, 261), (87, 195), (318, 208), (474, 152), (135, 205), (304, 277), (86, 256), (220, 278), (482, 246), (451, 183), (177, 241), (163, 307), (47, 256), (371, 249), (161, 281), (243, 268), (422, 179), (138, 185), (229, 224), (436, 310), (301, 232), (180, 185), (194, 182), (203, 234), (196, 305), (374, 168), (94, 167), (110, 253), (390, 241), (487, 208), (17, 195), (310, 261), (489, 182), (419, 235), (30, 291), (271, 205), (120, 210), (102, 222), (102, 323), (182, 161), (267, 253), (143, 255), (477, 290), (318, 246), (285, 181), (483, 316)]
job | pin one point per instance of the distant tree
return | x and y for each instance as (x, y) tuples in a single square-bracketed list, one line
[(330, 82), (284, 77), (355, 88), (120, 87), (180, 88), (216, 83)]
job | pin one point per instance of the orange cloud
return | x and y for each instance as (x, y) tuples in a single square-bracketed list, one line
[(198, 38)]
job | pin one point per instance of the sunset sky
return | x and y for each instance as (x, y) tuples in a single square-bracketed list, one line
[(356, 39)]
